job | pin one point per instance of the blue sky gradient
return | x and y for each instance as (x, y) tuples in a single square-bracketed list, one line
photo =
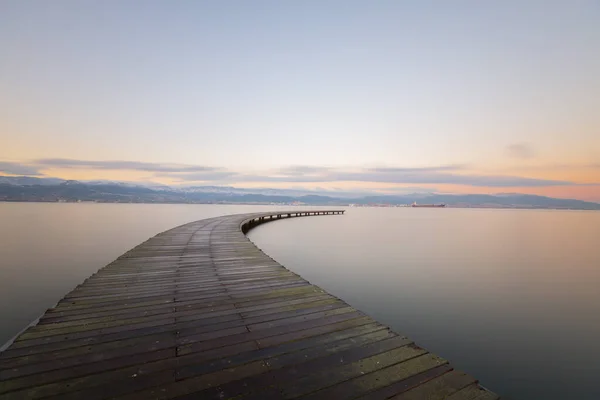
[(505, 88)]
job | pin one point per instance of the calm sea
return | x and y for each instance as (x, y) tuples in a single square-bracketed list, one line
[(511, 296)]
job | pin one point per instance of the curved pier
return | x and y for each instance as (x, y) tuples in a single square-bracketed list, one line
[(199, 312)]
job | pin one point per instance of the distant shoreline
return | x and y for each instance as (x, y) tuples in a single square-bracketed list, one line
[(349, 205)]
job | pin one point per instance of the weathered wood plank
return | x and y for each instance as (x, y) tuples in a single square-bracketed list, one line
[(399, 384), (366, 382), (439, 388), (473, 392)]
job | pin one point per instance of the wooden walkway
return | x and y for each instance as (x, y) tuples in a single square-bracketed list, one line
[(199, 312)]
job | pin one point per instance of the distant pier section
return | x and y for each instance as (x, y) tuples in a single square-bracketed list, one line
[(199, 312)]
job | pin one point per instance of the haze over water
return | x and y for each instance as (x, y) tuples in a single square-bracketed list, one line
[(510, 296)]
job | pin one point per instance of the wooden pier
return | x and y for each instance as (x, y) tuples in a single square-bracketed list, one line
[(199, 312)]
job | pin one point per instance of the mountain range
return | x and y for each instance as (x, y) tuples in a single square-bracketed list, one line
[(23, 188)]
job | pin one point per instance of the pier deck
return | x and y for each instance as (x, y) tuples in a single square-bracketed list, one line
[(199, 312)]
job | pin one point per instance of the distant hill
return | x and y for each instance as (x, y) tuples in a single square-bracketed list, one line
[(28, 180), (484, 200), (53, 189)]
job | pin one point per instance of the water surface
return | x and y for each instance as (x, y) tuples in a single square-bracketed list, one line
[(511, 296)]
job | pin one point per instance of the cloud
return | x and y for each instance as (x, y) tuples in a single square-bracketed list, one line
[(418, 178), (442, 174), (439, 168), (454, 174), (449, 178), (299, 170), (10, 168), (295, 170), (406, 189), (122, 165), (520, 150), (206, 176)]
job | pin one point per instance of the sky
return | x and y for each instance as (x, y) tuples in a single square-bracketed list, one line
[(452, 97)]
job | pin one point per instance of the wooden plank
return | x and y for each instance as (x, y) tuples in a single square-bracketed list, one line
[(95, 323), (273, 356), (183, 387), (39, 385), (200, 312), (93, 375), (43, 345), (111, 311), (412, 373), (400, 385), (275, 335), (438, 388), (473, 392), (351, 367), (257, 380)]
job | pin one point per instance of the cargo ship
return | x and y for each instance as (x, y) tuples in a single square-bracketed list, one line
[(427, 205)]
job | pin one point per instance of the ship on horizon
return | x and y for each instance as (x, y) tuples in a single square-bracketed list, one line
[(427, 205)]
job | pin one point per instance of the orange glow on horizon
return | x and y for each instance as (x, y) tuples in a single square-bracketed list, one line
[(586, 189)]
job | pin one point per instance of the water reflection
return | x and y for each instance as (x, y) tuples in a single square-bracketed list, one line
[(511, 296)]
